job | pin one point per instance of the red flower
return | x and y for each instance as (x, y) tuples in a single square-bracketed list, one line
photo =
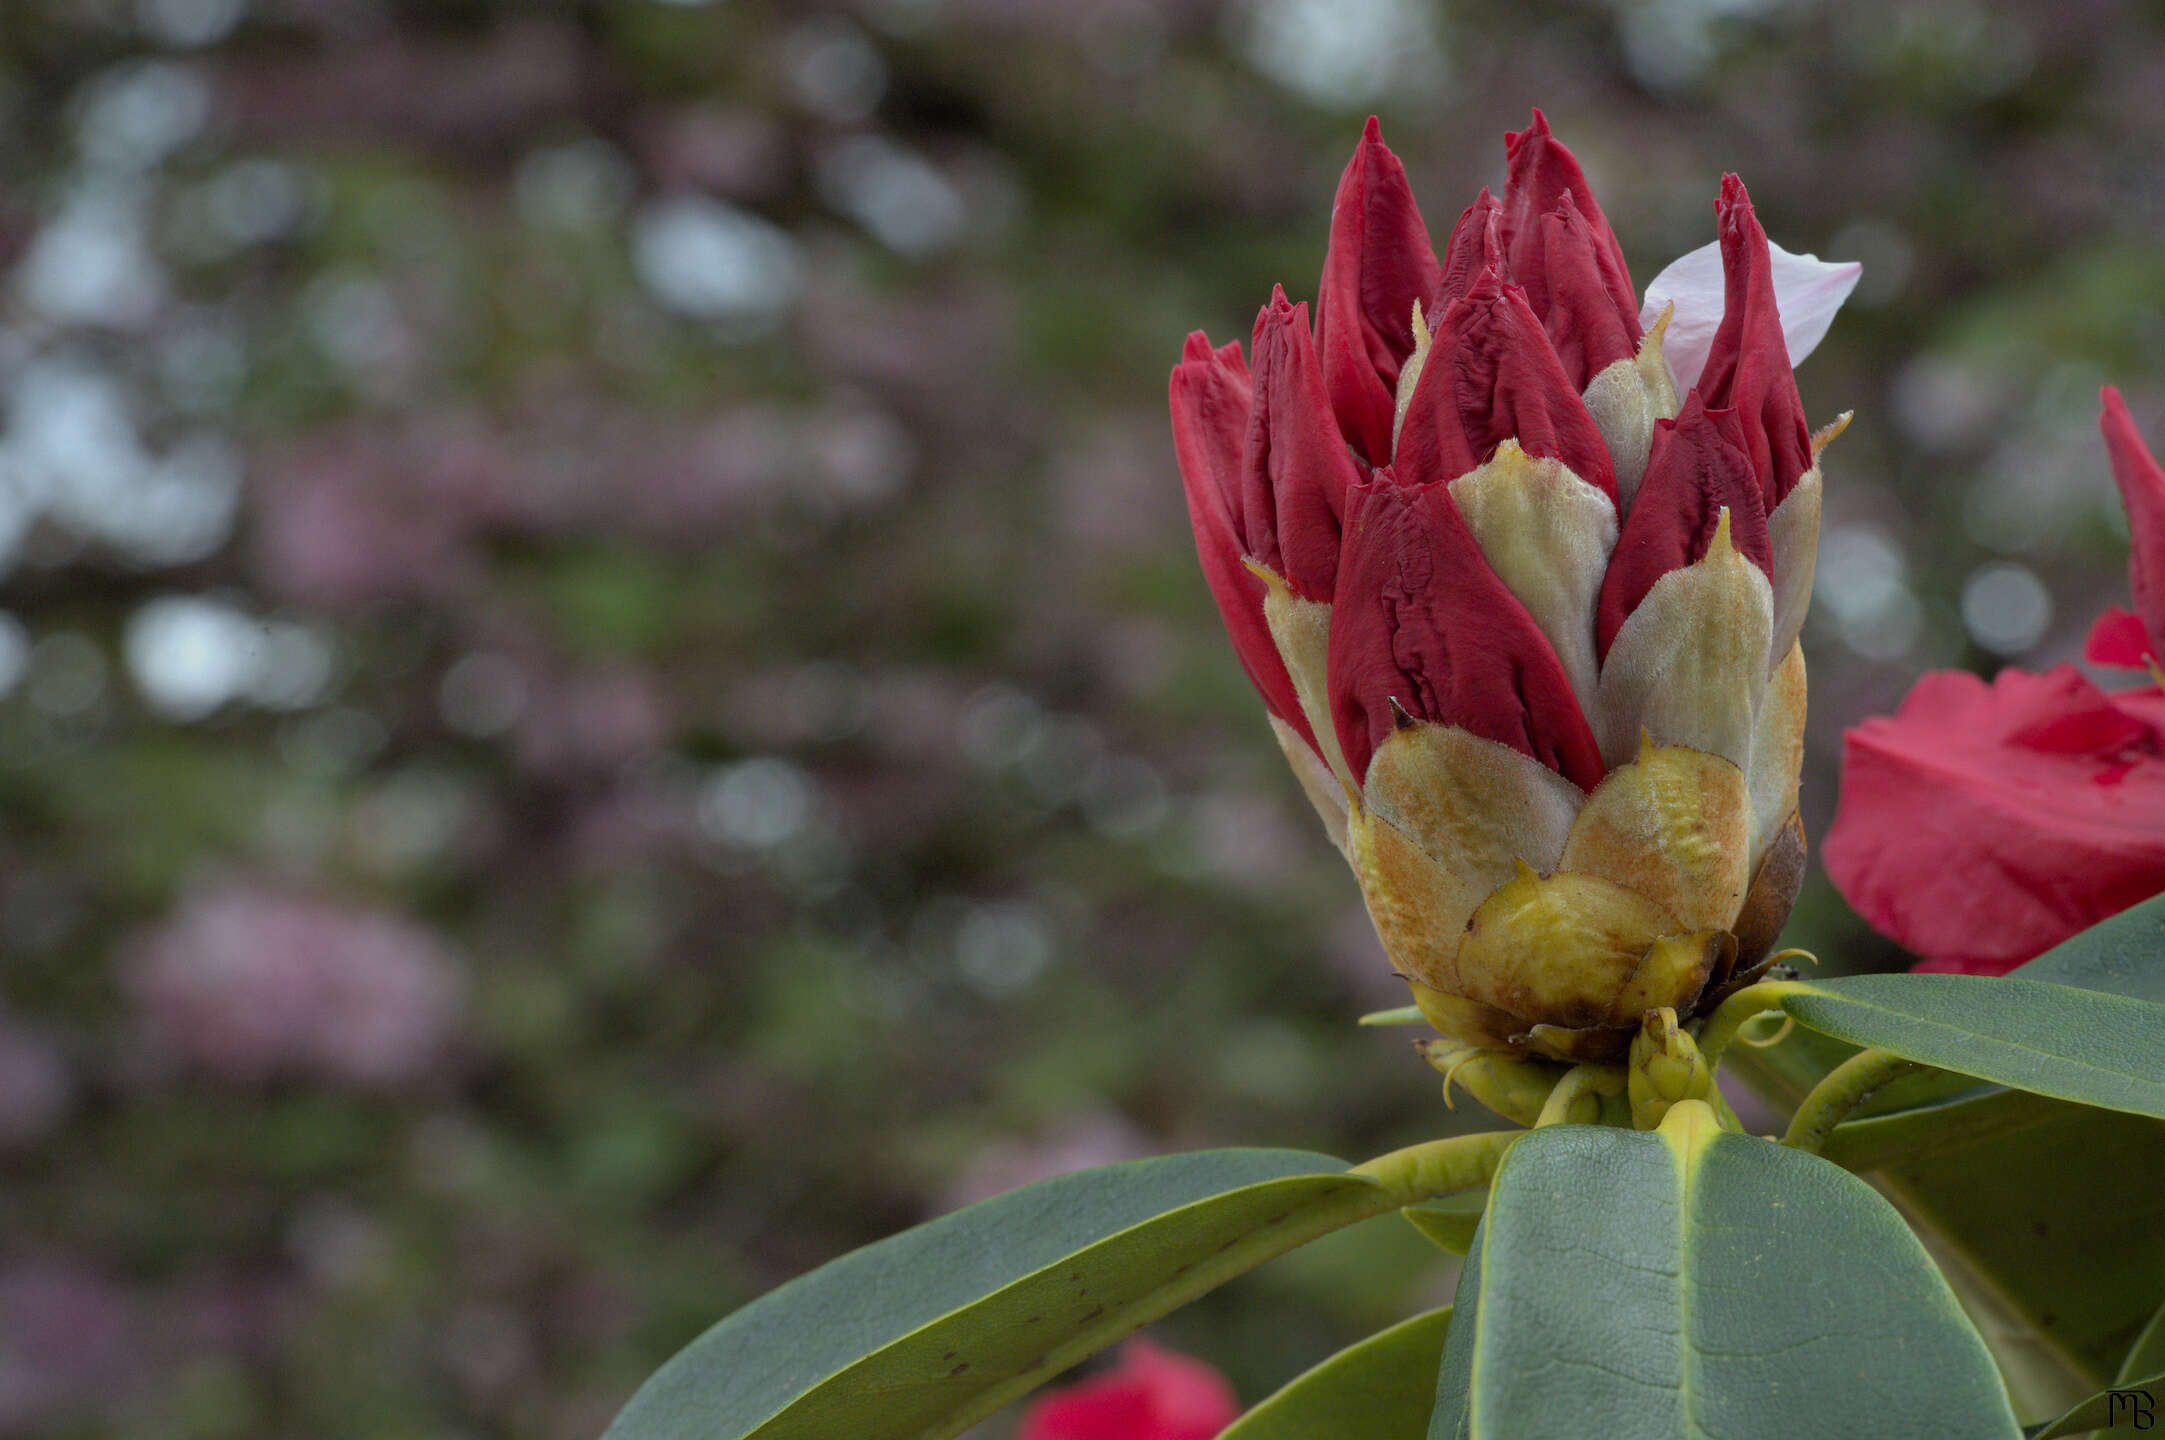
[(1524, 621), (1152, 1394), (1981, 825)]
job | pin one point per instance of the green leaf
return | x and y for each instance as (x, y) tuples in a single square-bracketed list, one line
[(1451, 1221), (2087, 1046), (924, 1333), (2147, 1355), (1403, 1015), (2123, 1402), (1916, 1132), (1380, 1389), (1693, 1282)]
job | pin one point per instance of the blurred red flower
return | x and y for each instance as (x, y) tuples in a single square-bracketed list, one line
[(1982, 824), (1152, 1394)]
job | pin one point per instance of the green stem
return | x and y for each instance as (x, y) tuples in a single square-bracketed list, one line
[(1439, 1167), (1847, 1086), (1730, 1015)]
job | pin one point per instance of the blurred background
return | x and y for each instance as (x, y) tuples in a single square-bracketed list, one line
[(604, 691)]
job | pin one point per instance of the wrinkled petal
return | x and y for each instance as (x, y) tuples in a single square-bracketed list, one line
[(2119, 639), (1423, 629), (1491, 376), (1808, 291), (1982, 824), (1476, 245), (1152, 1394), (1698, 472), (1210, 396), (1548, 535), (1689, 666), (1747, 366), (1295, 467), (1540, 172), (1380, 263), (1559, 265), (2142, 491)]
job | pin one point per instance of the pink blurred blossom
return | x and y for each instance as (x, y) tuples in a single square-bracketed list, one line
[(252, 984), (593, 722), (36, 1087), (352, 517), (68, 1335), (1074, 1142)]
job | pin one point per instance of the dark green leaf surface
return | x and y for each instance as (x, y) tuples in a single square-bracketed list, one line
[(1692, 1283), (1380, 1389), (2087, 1046), (924, 1333), (2054, 1222), (2147, 1355)]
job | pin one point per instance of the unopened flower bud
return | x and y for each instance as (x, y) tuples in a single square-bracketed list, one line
[(1666, 1067), (1525, 616)]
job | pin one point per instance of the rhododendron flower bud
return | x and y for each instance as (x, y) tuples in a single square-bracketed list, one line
[(1152, 1394), (1523, 612), (1982, 824)]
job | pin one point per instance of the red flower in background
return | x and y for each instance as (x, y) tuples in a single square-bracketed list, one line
[(1521, 585), (1152, 1394), (1982, 824)]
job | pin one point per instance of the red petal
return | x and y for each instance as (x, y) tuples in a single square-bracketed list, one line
[(1540, 172), (1696, 467), (1491, 376), (1152, 1394), (1747, 365), (1296, 467), (1422, 625), (2120, 639), (1476, 245), (1380, 263), (1559, 264), (1210, 401), (1983, 824), (2142, 491)]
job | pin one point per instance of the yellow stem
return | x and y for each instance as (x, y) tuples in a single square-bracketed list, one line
[(1730, 1015), (1847, 1086)]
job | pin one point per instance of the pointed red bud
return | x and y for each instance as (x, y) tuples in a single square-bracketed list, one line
[(1539, 172), (1747, 366), (1558, 263), (1492, 376), (1296, 467), (1476, 245), (1210, 396), (1422, 629), (1696, 468), (1380, 262), (2142, 492)]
